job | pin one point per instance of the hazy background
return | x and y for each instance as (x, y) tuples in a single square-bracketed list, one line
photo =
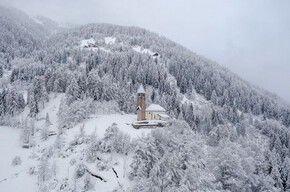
[(252, 38)]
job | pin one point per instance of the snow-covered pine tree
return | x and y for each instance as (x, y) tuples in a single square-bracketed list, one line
[(1, 71), (73, 91), (33, 106)]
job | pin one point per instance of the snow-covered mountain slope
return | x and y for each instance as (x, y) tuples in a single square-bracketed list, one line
[(50, 26), (80, 100), (72, 153), (21, 34)]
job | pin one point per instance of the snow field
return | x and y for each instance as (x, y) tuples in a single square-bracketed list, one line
[(65, 160), (15, 178)]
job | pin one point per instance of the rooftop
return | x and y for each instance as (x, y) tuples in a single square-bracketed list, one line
[(164, 116), (141, 89), (155, 107)]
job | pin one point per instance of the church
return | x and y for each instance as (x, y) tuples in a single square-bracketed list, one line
[(153, 115)]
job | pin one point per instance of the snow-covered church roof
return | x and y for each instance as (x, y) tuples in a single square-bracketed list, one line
[(155, 107), (165, 116), (141, 89)]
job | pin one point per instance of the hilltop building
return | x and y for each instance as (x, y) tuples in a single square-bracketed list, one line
[(154, 115)]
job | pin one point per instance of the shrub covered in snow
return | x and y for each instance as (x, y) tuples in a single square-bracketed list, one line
[(93, 148), (70, 115), (80, 170), (115, 140), (44, 133), (31, 170), (103, 165), (16, 161), (79, 138), (89, 184), (44, 172)]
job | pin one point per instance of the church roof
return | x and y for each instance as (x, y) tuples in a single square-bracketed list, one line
[(155, 107), (165, 116), (141, 89)]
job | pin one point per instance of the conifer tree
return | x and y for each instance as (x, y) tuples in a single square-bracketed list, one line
[(73, 92), (33, 106), (1, 71)]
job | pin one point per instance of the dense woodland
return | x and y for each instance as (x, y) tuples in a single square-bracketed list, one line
[(236, 139)]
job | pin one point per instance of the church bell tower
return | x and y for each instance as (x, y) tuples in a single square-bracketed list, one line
[(141, 104)]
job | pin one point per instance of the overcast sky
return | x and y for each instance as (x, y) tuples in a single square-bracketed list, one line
[(250, 37)]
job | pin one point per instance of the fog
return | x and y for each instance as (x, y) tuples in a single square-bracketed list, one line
[(251, 38)]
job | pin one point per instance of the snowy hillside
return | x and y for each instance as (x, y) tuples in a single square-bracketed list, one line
[(10, 174), (65, 160), (21, 34), (68, 100)]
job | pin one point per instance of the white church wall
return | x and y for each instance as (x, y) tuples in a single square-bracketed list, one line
[(153, 115)]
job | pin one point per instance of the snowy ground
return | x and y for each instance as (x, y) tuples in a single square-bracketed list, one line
[(110, 40), (101, 122), (91, 41), (90, 44), (86, 42), (17, 178), (140, 50)]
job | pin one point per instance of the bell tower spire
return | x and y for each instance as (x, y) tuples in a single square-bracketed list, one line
[(141, 105)]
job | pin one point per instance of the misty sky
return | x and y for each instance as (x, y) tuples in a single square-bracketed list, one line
[(250, 37)]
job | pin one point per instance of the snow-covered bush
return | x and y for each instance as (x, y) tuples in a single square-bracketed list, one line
[(7, 120), (64, 185), (89, 184), (93, 148), (72, 161), (47, 120), (16, 161), (123, 143), (44, 172), (103, 165), (115, 140), (80, 170), (54, 168), (44, 133), (31, 170), (59, 142), (79, 138), (25, 133), (108, 143), (75, 112)]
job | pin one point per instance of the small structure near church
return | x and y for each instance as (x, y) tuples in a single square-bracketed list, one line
[(152, 116)]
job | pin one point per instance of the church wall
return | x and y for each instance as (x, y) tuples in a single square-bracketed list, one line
[(164, 119), (153, 115)]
